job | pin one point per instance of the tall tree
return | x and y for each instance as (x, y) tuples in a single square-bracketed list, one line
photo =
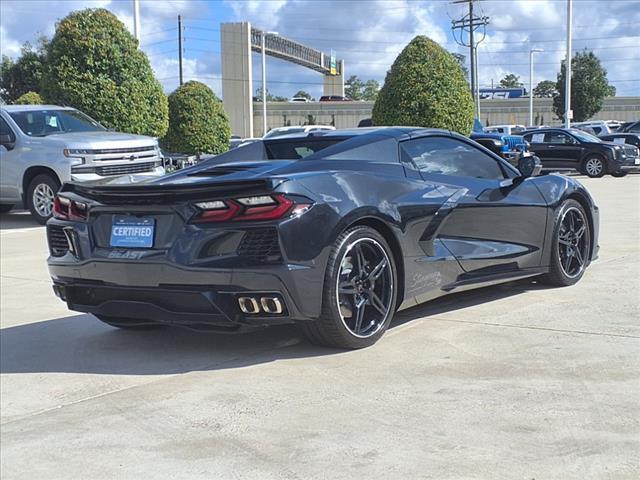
[(511, 81), (545, 89), (270, 97), (461, 59), (589, 86), (95, 65), (353, 87), (26, 73), (370, 90)]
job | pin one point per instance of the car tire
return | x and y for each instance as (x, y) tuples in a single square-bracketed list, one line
[(127, 323), (619, 174), (5, 208), (359, 294), (594, 166), (41, 190), (570, 249)]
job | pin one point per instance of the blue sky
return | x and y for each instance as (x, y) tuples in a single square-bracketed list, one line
[(367, 34)]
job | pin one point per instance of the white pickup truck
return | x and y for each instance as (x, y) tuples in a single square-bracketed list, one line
[(43, 146)]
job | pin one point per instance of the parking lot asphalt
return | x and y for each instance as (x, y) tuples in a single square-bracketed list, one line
[(509, 382)]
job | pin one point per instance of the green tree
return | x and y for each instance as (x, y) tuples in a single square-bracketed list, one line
[(370, 90), (589, 86), (425, 87), (29, 98), (94, 64), (545, 89), (25, 74), (353, 87), (303, 94), (270, 96), (197, 121), (461, 59), (511, 81)]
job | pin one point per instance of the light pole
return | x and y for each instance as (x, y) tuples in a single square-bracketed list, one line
[(568, 113), (531, 52), (264, 81), (136, 20)]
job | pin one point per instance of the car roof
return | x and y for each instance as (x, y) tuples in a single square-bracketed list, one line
[(31, 108)]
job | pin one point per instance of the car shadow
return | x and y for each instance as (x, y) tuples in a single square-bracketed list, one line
[(17, 219), (82, 344)]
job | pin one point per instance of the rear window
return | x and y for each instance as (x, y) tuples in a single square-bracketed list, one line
[(299, 148)]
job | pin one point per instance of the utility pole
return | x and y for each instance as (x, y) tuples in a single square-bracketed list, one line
[(531, 52), (264, 84), (469, 24), (136, 20), (180, 47), (568, 113)]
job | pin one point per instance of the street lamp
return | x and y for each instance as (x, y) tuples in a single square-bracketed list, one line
[(264, 81), (531, 52)]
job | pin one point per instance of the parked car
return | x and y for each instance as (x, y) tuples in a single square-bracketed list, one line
[(334, 98), (505, 129), (43, 146), (299, 100), (280, 131), (598, 127), (510, 147), (563, 149), (368, 222), (630, 127), (622, 138)]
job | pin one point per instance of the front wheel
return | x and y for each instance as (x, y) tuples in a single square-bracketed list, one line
[(594, 166), (360, 291), (571, 246), (40, 194)]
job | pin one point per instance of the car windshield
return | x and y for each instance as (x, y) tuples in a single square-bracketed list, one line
[(40, 123), (584, 136), (279, 133)]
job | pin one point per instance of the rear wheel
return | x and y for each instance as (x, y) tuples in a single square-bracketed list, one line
[(359, 295), (571, 246), (128, 323), (5, 208), (40, 194), (594, 166)]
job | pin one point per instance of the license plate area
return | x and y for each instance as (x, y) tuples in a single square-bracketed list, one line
[(132, 232)]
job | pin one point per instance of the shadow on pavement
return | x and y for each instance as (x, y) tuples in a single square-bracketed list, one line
[(17, 219), (82, 344)]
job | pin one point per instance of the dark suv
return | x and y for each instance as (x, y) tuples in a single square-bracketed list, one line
[(564, 149)]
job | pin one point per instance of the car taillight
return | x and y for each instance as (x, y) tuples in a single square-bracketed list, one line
[(263, 207), (66, 209)]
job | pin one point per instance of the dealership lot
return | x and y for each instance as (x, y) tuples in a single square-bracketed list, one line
[(513, 381)]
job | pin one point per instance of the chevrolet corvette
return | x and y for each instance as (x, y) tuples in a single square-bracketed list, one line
[(334, 231)]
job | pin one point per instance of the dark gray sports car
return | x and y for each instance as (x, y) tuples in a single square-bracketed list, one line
[(334, 231)]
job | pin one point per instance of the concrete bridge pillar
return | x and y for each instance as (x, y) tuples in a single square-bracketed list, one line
[(334, 84)]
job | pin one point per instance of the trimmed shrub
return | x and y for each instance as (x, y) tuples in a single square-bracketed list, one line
[(426, 88), (29, 98), (197, 121), (95, 66)]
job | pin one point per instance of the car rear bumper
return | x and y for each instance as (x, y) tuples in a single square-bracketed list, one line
[(196, 298)]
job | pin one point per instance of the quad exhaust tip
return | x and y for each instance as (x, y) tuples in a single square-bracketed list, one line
[(255, 305)]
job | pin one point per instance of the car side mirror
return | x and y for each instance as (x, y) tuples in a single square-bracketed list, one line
[(5, 141), (529, 166)]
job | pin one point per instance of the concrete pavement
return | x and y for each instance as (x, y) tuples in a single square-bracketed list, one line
[(514, 381)]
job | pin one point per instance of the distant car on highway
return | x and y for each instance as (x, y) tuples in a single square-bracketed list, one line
[(280, 131), (573, 149), (334, 98), (43, 146), (299, 100)]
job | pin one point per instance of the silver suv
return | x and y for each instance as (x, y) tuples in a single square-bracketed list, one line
[(43, 146)]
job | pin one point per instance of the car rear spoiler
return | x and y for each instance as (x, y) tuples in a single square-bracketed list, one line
[(169, 193)]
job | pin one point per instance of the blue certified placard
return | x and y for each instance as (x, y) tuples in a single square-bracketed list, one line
[(132, 232)]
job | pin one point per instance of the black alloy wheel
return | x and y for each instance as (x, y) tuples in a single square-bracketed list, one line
[(360, 292), (571, 245)]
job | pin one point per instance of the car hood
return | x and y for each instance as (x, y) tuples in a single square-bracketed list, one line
[(99, 140)]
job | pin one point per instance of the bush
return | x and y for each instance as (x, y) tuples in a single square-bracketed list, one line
[(29, 98), (95, 66), (197, 121), (426, 88)]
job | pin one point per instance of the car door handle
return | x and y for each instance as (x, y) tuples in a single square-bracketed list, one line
[(551, 146)]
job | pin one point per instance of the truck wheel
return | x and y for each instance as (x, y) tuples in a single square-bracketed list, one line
[(5, 208), (40, 194)]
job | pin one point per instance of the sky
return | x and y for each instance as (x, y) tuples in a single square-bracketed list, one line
[(367, 34)]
